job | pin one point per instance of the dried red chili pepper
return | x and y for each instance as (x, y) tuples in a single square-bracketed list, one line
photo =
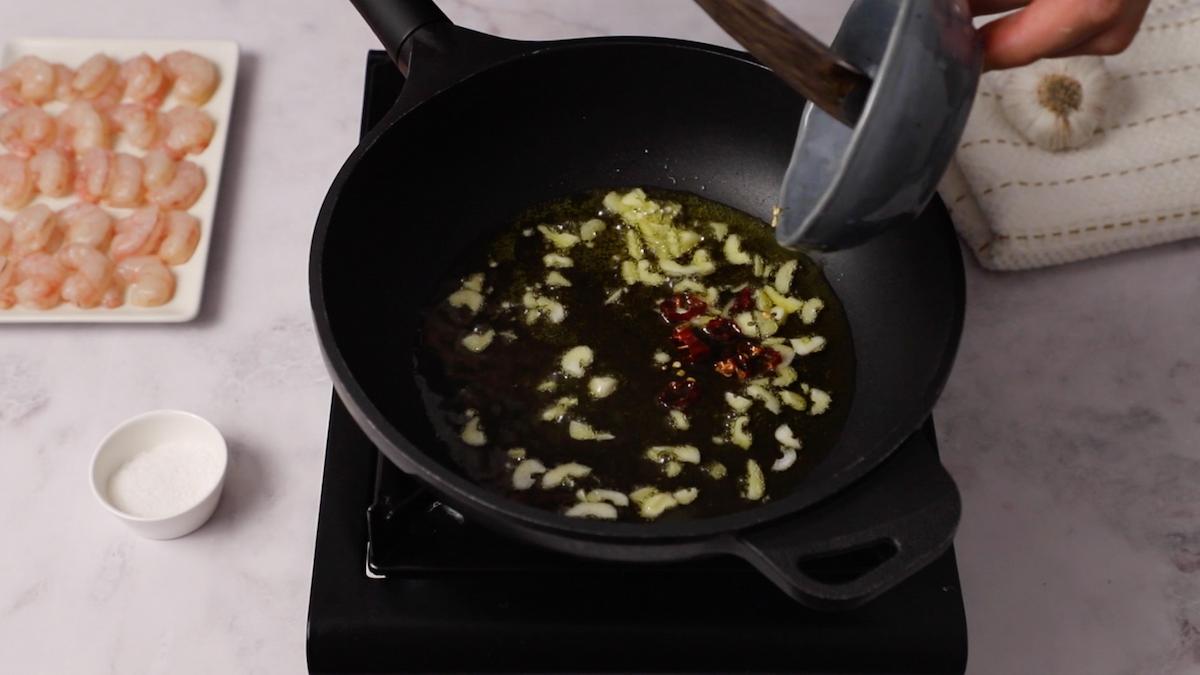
[(743, 301), (689, 345), (681, 307), (722, 331), (680, 394)]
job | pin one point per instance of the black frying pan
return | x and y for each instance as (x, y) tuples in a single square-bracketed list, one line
[(486, 127)]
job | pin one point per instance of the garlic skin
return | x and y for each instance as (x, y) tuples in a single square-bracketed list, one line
[(1057, 104)]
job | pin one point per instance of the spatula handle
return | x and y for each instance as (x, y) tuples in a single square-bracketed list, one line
[(799, 59)]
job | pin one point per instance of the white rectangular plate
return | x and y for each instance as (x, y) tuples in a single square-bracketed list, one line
[(189, 277)]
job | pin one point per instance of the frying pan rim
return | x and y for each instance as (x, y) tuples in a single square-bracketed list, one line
[(391, 441)]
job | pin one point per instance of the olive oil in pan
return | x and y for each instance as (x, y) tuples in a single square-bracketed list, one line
[(491, 359)]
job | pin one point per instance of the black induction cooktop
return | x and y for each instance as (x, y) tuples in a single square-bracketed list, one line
[(403, 583)]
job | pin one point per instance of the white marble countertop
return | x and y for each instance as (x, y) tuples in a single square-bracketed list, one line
[(1072, 419)]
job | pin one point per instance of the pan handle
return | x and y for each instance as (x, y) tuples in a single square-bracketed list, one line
[(844, 553), (394, 21)]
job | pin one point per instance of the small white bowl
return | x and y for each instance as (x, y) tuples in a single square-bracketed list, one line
[(176, 488)]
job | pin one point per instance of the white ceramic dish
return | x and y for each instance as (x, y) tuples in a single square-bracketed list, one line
[(163, 430), (189, 276)]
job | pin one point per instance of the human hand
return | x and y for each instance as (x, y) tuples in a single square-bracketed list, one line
[(1050, 28)]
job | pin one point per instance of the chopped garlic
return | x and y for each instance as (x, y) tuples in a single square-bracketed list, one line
[(758, 265), (593, 510), (589, 230), (810, 344), (785, 376), (661, 358), (756, 485), (769, 400), (576, 360), (746, 324), (716, 469), (478, 342), (812, 307), (786, 438), (472, 431), (719, 230), (686, 495), (653, 505), (642, 494), (611, 496), (555, 279), (538, 306), (547, 386), (582, 431), (647, 275), (562, 475), (783, 278), (629, 272), (465, 297), (701, 265), (679, 420), (767, 326), (738, 403), (820, 401), (689, 286), (516, 453), (672, 468), (654, 221), (602, 386), (733, 251), (793, 400), (738, 434), (615, 296), (785, 461), (507, 335), (556, 260), (633, 244), (563, 240), (684, 453), (523, 475), (474, 282), (555, 412), (788, 304)]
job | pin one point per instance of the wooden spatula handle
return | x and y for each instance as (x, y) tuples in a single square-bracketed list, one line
[(803, 62)]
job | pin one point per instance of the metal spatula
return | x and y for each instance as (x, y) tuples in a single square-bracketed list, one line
[(887, 104)]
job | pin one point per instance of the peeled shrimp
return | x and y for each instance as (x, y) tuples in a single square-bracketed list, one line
[(5, 236), (183, 233), (182, 191), (114, 295), (145, 81), (26, 130), (195, 77), (35, 228), (16, 182), (93, 173), (28, 80), (53, 172), (86, 224), (138, 234), (89, 274), (63, 76), (124, 181), (159, 169), (83, 127), (40, 277), (94, 76), (188, 131), (8, 274), (139, 124), (150, 282)]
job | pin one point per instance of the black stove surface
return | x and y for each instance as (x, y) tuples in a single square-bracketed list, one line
[(402, 583)]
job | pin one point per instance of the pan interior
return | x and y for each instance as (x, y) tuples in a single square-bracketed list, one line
[(567, 120)]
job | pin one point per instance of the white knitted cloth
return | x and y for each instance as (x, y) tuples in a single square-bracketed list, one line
[(1136, 184)]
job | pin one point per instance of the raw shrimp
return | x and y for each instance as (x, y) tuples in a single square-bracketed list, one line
[(114, 295), (139, 124), (182, 191), (195, 76), (83, 126), (188, 131), (89, 273), (145, 81), (86, 224), (8, 274), (150, 282), (52, 172), (40, 277), (138, 234), (63, 76), (5, 236), (28, 80), (93, 173), (124, 181), (16, 182), (183, 233), (26, 130), (94, 76), (35, 228), (160, 169)]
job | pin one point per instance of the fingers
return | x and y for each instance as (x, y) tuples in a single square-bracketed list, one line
[(1050, 28), (985, 7)]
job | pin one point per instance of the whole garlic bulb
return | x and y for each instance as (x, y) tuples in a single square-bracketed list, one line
[(1057, 103)]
